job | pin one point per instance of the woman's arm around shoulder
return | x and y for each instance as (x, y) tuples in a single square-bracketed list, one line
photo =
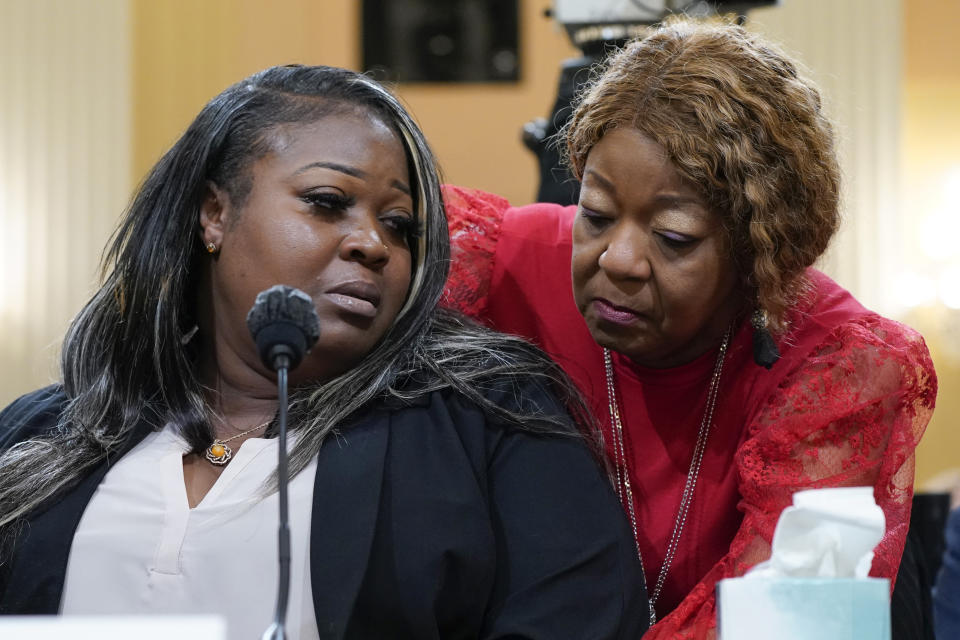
[(497, 250), (475, 219), (851, 414)]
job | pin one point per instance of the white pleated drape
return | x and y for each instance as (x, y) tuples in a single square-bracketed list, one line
[(64, 170), (853, 50)]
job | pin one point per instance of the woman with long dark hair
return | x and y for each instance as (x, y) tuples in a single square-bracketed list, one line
[(440, 487)]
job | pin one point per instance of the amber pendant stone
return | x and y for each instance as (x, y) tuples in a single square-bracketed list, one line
[(218, 453)]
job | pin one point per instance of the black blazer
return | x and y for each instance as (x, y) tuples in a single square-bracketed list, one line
[(428, 521)]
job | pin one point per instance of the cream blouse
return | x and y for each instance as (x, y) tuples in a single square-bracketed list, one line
[(139, 548)]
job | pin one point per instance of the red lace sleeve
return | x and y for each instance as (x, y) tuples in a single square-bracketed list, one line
[(851, 415), (474, 218)]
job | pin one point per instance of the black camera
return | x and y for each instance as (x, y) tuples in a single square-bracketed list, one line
[(596, 27)]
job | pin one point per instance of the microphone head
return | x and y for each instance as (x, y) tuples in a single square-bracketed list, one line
[(284, 325)]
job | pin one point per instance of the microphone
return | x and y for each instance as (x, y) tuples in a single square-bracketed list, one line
[(284, 326)]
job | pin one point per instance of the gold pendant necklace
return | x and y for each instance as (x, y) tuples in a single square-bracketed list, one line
[(624, 488), (219, 453)]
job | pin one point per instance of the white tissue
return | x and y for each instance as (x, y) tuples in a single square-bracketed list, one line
[(827, 533)]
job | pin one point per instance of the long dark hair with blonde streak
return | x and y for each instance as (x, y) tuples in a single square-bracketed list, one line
[(127, 356), (740, 122)]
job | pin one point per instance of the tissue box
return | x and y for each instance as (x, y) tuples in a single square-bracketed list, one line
[(803, 608)]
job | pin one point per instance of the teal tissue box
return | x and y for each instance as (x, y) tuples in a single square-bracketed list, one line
[(803, 608)]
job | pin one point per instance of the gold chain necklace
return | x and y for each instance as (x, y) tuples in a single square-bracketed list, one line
[(625, 490), (219, 453)]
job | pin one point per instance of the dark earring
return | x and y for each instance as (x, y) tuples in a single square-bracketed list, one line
[(765, 351)]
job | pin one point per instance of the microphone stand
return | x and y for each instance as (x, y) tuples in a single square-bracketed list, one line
[(277, 630), (284, 325)]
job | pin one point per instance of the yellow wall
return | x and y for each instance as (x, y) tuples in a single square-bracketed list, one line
[(930, 146), (185, 52)]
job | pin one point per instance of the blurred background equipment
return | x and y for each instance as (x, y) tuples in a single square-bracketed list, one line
[(441, 40), (595, 27)]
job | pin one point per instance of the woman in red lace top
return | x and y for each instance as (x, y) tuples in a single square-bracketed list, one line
[(726, 372)]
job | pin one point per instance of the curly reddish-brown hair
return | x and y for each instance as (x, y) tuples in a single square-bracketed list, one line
[(739, 122)]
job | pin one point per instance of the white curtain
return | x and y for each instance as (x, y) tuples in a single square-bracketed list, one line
[(852, 49), (64, 170)]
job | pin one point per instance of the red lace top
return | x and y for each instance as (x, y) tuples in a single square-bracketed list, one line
[(844, 406)]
